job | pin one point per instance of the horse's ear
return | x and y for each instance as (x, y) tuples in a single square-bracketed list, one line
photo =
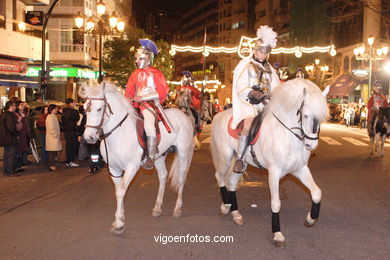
[(83, 90)]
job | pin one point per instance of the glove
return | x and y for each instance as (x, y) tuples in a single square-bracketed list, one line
[(255, 96)]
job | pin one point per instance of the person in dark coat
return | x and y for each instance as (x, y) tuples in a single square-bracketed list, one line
[(8, 138), (70, 117), (23, 141)]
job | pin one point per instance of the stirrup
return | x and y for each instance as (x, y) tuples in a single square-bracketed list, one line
[(239, 166)]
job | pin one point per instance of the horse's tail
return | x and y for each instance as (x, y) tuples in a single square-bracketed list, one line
[(183, 157)]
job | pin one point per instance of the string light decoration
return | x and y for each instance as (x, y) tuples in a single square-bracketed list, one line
[(245, 49), (197, 82)]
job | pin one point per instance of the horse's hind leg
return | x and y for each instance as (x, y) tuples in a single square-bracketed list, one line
[(273, 180), (372, 144), (221, 170), (121, 185), (304, 175), (162, 177), (381, 152), (197, 144)]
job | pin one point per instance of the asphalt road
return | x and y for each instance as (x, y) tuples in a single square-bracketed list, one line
[(68, 215)]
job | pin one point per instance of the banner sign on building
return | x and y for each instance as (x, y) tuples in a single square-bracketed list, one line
[(11, 66), (65, 73), (34, 17)]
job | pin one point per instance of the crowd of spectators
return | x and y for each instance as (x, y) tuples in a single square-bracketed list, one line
[(352, 114), (49, 125)]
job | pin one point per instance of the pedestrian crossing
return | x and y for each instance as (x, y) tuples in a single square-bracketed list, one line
[(357, 141)]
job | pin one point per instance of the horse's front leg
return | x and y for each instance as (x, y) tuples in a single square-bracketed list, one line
[(162, 177), (234, 179), (304, 175), (372, 144), (273, 180), (121, 184)]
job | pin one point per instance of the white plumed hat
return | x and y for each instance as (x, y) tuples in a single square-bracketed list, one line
[(267, 37)]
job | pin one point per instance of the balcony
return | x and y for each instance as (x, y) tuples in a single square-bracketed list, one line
[(21, 40)]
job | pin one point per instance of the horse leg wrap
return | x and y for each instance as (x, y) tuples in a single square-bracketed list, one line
[(315, 210), (225, 195), (233, 200), (275, 222)]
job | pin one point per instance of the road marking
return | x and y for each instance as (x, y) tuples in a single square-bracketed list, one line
[(329, 140), (207, 140), (354, 141), (253, 184)]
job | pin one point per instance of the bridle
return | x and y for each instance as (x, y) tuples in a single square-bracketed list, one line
[(302, 134), (99, 127)]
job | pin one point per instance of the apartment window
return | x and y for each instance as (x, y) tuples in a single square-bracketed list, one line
[(66, 41), (238, 25)]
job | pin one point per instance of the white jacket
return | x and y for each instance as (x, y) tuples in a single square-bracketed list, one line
[(243, 81)]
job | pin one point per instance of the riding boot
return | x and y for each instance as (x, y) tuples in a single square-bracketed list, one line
[(152, 150), (239, 165)]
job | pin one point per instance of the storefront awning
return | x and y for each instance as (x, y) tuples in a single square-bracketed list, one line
[(17, 81), (343, 86)]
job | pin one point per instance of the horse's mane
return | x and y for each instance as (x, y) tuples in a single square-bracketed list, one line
[(288, 97), (97, 91)]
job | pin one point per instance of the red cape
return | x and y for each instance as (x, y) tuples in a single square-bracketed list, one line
[(159, 81)]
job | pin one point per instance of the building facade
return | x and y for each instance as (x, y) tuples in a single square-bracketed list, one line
[(72, 48), (20, 45)]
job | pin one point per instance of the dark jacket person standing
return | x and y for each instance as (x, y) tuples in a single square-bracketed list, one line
[(70, 117), (9, 135)]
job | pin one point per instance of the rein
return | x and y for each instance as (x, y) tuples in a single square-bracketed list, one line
[(303, 135)]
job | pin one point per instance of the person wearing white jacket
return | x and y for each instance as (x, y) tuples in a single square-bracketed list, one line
[(253, 81), (53, 143)]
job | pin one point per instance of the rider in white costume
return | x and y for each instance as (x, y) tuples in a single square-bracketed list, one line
[(253, 81)]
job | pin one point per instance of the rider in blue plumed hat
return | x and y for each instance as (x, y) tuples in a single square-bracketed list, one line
[(145, 87)]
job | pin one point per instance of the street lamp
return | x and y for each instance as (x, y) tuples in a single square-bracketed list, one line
[(370, 55), (98, 25), (316, 72)]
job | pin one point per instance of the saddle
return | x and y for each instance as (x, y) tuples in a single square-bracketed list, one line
[(254, 131)]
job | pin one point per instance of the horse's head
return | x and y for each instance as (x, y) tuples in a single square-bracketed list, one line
[(303, 104), (183, 99), (96, 107)]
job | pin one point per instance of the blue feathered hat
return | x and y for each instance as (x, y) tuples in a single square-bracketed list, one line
[(149, 44), (188, 74)]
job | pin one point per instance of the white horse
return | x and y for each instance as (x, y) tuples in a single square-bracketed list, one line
[(111, 117), (289, 131), (183, 102)]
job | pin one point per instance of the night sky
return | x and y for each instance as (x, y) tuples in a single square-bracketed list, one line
[(143, 7)]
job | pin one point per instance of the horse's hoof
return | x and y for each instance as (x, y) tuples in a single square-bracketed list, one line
[(225, 209), (237, 218), (280, 244), (117, 231), (279, 240), (177, 213), (309, 222), (156, 213)]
